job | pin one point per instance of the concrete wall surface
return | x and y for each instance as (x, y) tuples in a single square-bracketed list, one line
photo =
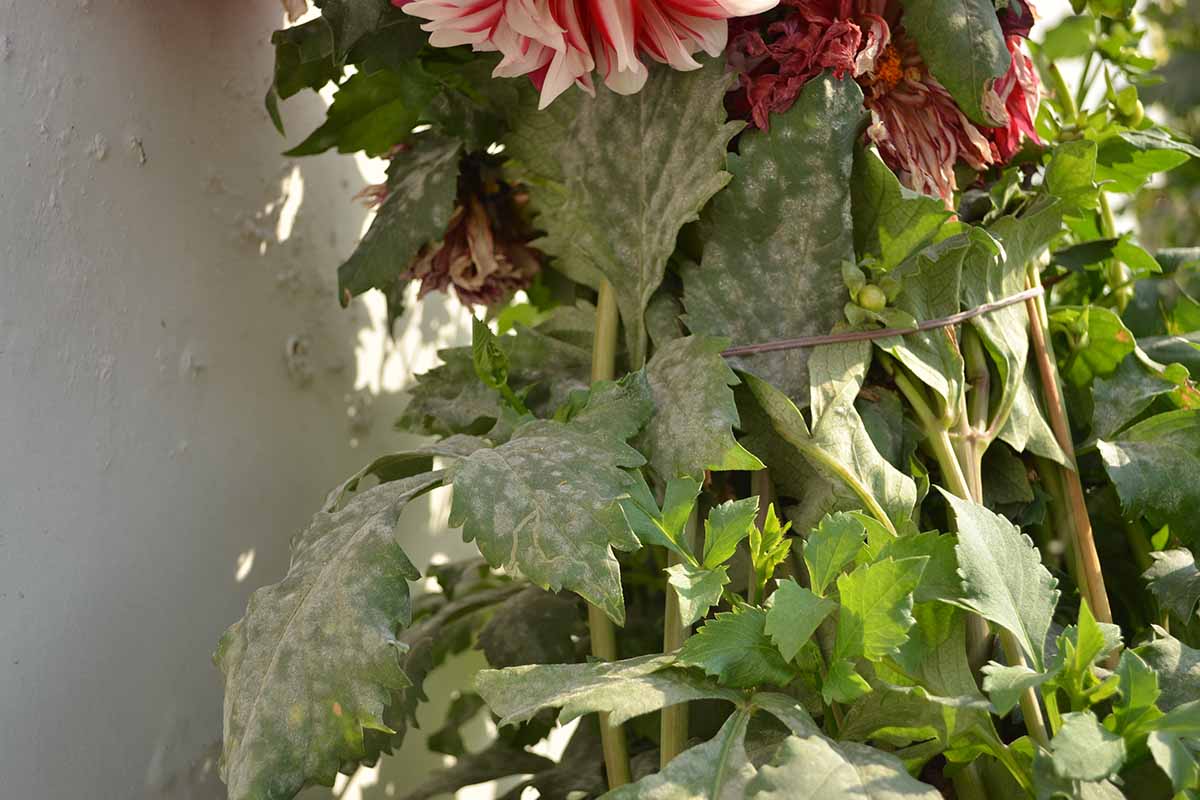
[(178, 386)]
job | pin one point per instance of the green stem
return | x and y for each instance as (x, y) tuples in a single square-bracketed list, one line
[(968, 783), (603, 632), (1074, 502), (674, 729), (1119, 276), (1050, 696), (933, 426), (1030, 708), (1085, 80)]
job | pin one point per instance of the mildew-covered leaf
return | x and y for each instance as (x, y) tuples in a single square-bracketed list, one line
[(718, 769), (1120, 398), (776, 237), (397, 466), (545, 502), (623, 689), (545, 364), (694, 411), (1178, 668), (1004, 580), (620, 175), (421, 190), (840, 450), (314, 661), (1084, 750), (1155, 467), (532, 627), (1175, 581), (816, 768)]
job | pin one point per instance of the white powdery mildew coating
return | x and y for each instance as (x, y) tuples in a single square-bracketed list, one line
[(691, 429), (416, 211), (634, 170), (624, 689), (778, 234), (314, 658), (545, 503)]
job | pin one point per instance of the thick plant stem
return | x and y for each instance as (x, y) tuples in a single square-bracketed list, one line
[(1092, 584), (674, 731), (1030, 708), (603, 632)]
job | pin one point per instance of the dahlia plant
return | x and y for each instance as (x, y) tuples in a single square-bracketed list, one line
[(823, 432)]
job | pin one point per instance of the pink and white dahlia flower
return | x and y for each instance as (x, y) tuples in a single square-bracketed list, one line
[(919, 129), (561, 42)]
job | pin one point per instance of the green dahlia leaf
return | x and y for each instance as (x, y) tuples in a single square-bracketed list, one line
[(1126, 159), (1107, 340), (875, 608), (768, 548), (314, 661), (623, 689), (774, 239), (418, 207), (1005, 684), (545, 367), (664, 527), (718, 769), (726, 526), (397, 466), (372, 112), (841, 451), (734, 648), (698, 589), (1175, 581), (963, 45), (1175, 758), (1178, 669), (816, 768), (793, 617), (1071, 176), (1154, 466), (622, 174), (353, 20), (891, 221), (1138, 685), (545, 503), (834, 544), (1004, 580), (930, 288), (691, 430), (1121, 397), (1084, 750)]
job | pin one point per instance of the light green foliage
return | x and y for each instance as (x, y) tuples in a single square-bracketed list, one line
[(841, 451), (734, 648), (545, 502), (1004, 684), (313, 662), (768, 548), (691, 429), (665, 526), (1178, 669), (1153, 465), (726, 526), (621, 175), (930, 285), (843, 684), (545, 366), (940, 579), (815, 768), (491, 364), (775, 236), (1084, 750), (833, 545), (1100, 342), (1127, 158), (624, 689), (421, 190), (718, 769), (1175, 581), (699, 589), (793, 616), (1003, 577), (875, 607), (963, 45), (891, 222)]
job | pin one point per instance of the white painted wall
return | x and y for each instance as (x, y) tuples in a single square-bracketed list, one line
[(153, 436)]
